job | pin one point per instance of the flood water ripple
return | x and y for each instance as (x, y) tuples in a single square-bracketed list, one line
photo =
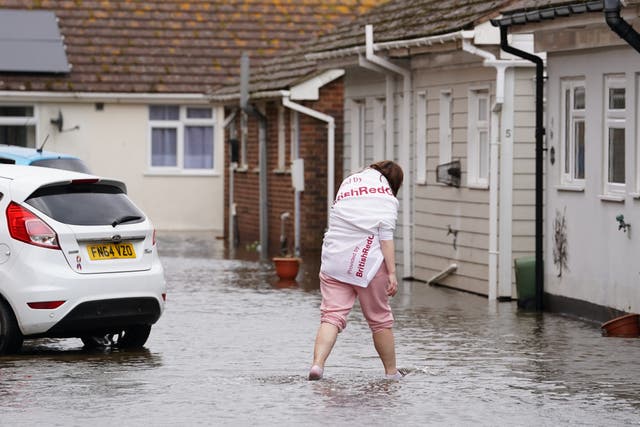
[(233, 348)]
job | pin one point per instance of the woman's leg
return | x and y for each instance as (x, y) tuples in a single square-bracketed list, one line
[(385, 346), (337, 300), (325, 339), (374, 302)]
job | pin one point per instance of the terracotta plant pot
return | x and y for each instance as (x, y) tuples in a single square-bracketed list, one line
[(286, 267), (627, 326)]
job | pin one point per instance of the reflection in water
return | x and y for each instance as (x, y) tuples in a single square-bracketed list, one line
[(234, 345)]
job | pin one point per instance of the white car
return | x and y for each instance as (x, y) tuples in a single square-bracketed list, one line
[(77, 259)]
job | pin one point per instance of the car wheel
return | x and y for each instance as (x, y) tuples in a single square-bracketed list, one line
[(134, 336), (10, 336)]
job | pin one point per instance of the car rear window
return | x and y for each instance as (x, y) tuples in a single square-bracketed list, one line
[(86, 204), (75, 165)]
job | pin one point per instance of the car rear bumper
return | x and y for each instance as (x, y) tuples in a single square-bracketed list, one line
[(121, 297), (106, 316)]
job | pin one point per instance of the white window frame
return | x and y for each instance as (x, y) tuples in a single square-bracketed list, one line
[(614, 119), (570, 116), (358, 133), (421, 138), (180, 125), (379, 129), (25, 121), (445, 122), (475, 128)]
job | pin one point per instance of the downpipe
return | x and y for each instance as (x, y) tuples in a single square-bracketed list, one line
[(619, 25), (539, 276)]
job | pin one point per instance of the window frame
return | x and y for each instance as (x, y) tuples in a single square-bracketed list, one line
[(475, 127), (24, 121), (180, 125), (445, 131), (358, 115), (421, 137), (614, 119), (379, 129), (570, 116)]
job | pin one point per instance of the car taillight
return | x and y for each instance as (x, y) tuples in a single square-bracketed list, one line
[(28, 228), (45, 305)]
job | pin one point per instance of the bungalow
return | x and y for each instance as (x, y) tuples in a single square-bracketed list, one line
[(427, 85), (593, 159), (127, 87)]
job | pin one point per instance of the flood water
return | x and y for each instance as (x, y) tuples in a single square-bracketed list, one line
[(233, 348)]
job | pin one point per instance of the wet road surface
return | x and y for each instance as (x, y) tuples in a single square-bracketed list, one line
[(233, 348)]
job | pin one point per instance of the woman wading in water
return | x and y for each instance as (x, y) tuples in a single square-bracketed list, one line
[(358, 261)]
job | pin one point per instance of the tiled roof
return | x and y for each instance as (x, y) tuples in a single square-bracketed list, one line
[(391, 21), (171, 46)]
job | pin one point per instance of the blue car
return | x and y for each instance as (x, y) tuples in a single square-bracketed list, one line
[(15, 155)]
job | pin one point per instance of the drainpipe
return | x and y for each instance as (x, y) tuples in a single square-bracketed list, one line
[(504, 44), (228, 122), (262, 155), (331, 125), (404, 145), (619, 25)]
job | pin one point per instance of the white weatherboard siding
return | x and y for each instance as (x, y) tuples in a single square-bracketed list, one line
[(114, 142), (465, 209), (523, 177), (602, 263), (439, 207)]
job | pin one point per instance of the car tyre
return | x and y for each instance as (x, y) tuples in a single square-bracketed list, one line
[(130, 337), (10, 336)]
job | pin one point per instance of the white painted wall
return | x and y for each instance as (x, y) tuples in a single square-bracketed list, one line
[(114, 142), (603, 263)]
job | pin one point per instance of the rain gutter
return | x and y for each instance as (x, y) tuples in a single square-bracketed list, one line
[(404, 145), (619, 25), (400, 44)]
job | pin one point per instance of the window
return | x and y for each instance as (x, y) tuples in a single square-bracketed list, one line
[(614, 137), (358, 109), (18, 125), (379, 129), (181, 138), (421, 138), (478, 138), (445, 127), (573, 132)]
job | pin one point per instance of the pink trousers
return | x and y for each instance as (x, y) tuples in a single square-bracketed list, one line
[(338, 299)]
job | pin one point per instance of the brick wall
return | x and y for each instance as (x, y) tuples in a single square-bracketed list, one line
[(313, 201)]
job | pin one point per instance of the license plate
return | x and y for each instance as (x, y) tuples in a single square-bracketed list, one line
[(104, 251)]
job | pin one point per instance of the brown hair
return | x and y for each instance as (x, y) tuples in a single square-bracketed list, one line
[(392, 171)]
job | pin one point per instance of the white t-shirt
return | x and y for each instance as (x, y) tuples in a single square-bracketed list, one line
[(364, 212)]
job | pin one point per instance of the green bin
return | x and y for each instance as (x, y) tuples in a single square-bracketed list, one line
[(526, 281)]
